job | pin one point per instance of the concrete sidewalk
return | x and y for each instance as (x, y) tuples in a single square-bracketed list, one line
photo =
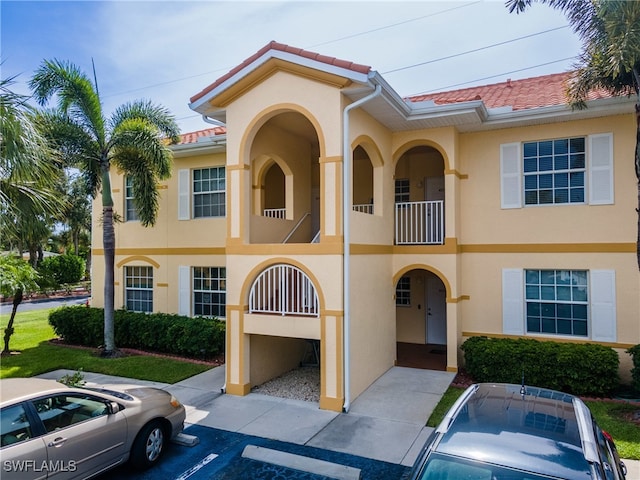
[(386, 422)]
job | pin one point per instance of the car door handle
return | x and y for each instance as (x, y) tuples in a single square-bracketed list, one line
[(58, 442)]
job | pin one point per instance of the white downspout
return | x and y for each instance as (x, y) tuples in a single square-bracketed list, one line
[(346, 227), (213, 121)]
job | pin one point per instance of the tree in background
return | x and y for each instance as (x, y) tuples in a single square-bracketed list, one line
[(18, 278), (610, 57), (135, 140), (29, 170)]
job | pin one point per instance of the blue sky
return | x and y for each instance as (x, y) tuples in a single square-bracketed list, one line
[(167, 51)]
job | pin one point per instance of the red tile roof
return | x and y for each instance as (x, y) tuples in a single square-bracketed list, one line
[(548, 90), (192, 137), (273, 45)]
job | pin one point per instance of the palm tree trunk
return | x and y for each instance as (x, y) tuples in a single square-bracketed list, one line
[(17, 299), (109, 246), (637, 159)]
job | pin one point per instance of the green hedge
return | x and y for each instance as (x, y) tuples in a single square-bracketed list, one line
[(198, 337), (635, 371), (581, 369)]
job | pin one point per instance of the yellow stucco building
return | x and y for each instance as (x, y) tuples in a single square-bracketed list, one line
[(493, 210)]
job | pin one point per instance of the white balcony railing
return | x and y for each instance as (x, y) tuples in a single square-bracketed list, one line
[(275, 212), (420, 223), (284, 290), (364, 208)]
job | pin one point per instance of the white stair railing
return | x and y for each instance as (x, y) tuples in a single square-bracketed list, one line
[(284, 290), (420, 223), (364, 208)]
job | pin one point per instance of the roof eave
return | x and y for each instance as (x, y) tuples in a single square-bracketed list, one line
[(203, 104), (204, 146)]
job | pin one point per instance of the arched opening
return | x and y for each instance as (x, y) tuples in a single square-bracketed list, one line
[(274, 193), (419, 197), (362, 181), (286, 178), (421, 320)]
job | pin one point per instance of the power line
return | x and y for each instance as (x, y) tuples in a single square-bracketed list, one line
[(506, 42)]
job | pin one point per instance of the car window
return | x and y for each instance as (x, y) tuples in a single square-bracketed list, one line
[(609, 461), (14, 425), (61, 411)]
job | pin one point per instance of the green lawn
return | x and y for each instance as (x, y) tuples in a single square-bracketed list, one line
[(609, 415), (36, 355)]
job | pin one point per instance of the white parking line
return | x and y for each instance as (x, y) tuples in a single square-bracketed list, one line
[(197, 466)]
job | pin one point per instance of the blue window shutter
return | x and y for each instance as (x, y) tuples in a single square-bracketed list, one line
[(184, 290), (601, 169), (183, 194), (603, 305), (510, 176), (512, 301)]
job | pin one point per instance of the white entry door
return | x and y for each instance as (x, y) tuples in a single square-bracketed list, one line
[(436, 311)]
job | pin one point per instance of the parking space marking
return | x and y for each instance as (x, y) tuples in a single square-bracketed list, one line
[(209, 458)]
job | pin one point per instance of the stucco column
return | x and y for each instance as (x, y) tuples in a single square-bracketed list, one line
[(331, 372), (237, 355), (452, 335)]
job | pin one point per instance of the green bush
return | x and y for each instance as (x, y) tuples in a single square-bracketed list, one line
[(62, 269), (198, 337), (581, 369), (635, 371)]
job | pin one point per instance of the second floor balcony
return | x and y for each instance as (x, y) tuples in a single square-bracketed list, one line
[(419, 223)]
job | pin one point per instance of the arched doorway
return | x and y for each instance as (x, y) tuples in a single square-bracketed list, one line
[(421, 321)]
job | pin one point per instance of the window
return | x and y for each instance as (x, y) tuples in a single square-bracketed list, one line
[(15, 427), (209, 192), (402, 190), (62, 411), (567, 171), (209, 291), (403, 292), (138, 289), (130, 211), (554, 171), (557, 302)]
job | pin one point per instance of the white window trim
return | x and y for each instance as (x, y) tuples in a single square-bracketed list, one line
[(126, 289), (602, 322), (599, 181)]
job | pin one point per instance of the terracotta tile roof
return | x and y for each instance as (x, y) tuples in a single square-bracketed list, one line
[(548, 90), (192, 137), (273, 45)]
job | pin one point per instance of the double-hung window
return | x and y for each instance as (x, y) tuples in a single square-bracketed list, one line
[(209, 192), (564, 171), (138, 288), (201, 193), (557, 302), (403, 291), (554, 171), (402, 190), (552, 302), (130, 211), (209, 291)]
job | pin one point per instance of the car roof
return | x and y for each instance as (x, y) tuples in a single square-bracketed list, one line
[(528, 428), (12, 389)]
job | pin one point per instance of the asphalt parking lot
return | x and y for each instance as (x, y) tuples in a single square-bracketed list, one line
[(219, 456)]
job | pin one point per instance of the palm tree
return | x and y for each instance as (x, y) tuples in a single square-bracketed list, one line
[(610, 57), (28, 167), (135, 140)]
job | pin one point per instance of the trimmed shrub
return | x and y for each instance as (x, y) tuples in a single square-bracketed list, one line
[(62, 269), (580, 369), (635, 371), (198, 337)]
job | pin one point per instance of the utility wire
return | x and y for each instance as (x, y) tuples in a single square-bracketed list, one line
[(506, 42)]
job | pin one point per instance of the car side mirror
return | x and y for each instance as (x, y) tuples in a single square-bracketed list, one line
[(112, 408)]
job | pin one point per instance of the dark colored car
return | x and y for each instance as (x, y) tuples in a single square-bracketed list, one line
[(518, 432), (50, 430)]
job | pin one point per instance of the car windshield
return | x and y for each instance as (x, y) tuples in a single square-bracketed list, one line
[(441, 467)]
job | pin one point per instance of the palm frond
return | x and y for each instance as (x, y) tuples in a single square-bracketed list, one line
[(156, 115), (76, 94)]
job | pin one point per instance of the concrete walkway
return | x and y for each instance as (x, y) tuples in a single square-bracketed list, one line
[(386, 422)]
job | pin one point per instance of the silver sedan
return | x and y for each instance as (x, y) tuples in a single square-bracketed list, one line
[(49, 430)]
